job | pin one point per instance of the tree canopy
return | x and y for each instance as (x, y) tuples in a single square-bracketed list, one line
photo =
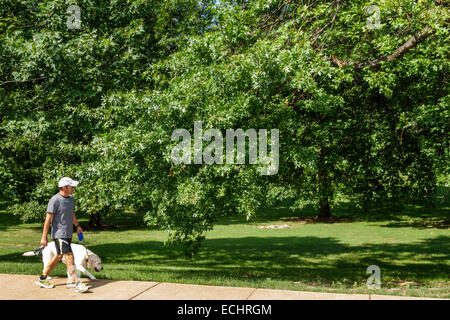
[(362, 110)]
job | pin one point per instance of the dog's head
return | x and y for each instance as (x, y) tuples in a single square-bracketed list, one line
[(94, 262)]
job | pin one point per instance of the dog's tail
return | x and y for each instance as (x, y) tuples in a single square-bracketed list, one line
[(35, 252)]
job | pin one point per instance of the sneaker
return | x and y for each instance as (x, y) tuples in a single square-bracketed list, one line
[(44, 284), (81, 287), (72, 285)]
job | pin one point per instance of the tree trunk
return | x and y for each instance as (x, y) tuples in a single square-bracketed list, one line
[(94, 221), (324, 188), (324, 210)]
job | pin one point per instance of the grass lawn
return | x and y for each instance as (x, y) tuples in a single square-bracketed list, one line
[(411, 248)]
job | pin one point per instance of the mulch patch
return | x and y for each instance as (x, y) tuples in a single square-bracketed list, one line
[(317, 220)]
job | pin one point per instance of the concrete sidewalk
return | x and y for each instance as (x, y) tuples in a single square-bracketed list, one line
[(22, 287)]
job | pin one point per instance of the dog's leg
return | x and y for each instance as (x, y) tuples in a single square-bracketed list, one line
[(46, 262), (46, 257), (45, 266), (49, 258), (83, 269)]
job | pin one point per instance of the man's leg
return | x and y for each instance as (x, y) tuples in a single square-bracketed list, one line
[(55, 259), (71, 267), (52, 264), (79, 286), (43, 281)]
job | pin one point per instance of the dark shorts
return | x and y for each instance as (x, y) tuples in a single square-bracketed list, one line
[(63, 246)]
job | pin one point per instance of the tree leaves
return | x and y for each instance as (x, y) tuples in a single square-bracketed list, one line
[(367, 109)]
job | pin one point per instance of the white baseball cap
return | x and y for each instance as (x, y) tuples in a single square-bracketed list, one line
[(67, 182)]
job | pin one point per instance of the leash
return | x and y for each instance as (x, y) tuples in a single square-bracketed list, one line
[(83, 243)]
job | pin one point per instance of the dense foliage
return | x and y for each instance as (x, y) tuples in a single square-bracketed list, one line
[(362, 111)]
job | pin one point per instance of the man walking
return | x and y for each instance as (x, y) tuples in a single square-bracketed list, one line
[(61, 216)]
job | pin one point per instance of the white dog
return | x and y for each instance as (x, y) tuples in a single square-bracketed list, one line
[(83, 258)]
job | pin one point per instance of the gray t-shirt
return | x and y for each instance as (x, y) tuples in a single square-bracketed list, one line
[(62, 209)]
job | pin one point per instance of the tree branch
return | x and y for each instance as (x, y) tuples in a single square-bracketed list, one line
[(277, 12), (16, 81), (331, 23), (417, 38)]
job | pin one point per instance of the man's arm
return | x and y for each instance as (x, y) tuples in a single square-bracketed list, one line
[(75, 222), (48, 220)]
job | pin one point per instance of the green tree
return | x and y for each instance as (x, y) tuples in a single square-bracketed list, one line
[(361, 108), (361, 112), (55, 81)]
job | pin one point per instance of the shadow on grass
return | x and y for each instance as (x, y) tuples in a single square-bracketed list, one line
[(311, 259), (8, 220), (345, 211), (409, 216), (422, 224), (117, 222)]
